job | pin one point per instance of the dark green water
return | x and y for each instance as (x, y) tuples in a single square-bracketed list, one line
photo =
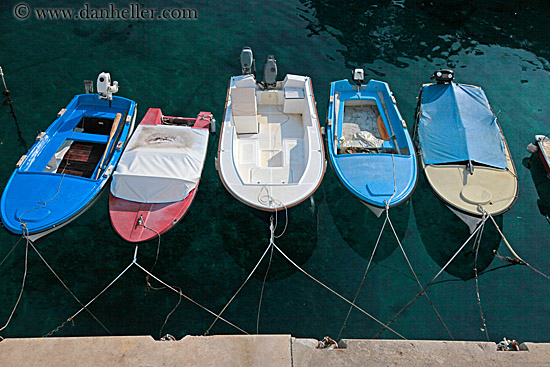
[(184, 67)]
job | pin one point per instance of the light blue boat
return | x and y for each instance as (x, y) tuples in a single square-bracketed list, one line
[(369, 146), (68, 166)]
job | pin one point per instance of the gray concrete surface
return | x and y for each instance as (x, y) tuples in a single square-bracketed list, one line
[(259, 350)]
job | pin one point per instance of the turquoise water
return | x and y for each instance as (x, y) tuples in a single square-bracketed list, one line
[(183, 67)]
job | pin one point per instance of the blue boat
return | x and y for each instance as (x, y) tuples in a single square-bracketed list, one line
[(369, 146), (68, 166)]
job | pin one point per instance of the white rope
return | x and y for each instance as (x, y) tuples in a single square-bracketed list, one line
[(10, 252), (104, 289), (188, 298), (431, 281), (510, 246), (134, 262), (242, 285), (477, 243), (22, 287), (362, 280), (271, 241), (66, 287), (415, 276), (336, 293)]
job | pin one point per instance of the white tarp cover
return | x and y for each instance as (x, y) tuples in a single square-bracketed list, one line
[(161, 164)]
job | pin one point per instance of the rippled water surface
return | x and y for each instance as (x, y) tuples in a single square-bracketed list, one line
[(183, 67)]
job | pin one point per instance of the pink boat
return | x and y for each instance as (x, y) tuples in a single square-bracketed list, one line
[(158, 175)]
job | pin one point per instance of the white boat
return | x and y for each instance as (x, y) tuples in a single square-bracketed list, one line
[(270, 154)]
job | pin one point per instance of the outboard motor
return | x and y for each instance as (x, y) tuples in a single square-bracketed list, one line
[(358, 76), (104, 87), (270, 72), (247, 61), (443, 76)]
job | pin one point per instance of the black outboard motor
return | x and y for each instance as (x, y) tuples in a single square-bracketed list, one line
[(443, 76), (270, 72), (247, 61)]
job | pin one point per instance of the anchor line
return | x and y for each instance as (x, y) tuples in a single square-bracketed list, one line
[(336, 293), (386, 326), (22, 287), (242, 285), (477, 243), (512, 250), (271, 241), (344, 324), (416, 278), (171, 312), (149, 286), (11, 250), (190, 299), (67, 288), (134, 262)]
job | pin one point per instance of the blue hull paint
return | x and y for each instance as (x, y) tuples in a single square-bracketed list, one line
[(370, 176), (42, 200)]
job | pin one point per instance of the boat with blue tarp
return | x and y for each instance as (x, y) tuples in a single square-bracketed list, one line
[(369, 146), (462, 148), (70, 163)]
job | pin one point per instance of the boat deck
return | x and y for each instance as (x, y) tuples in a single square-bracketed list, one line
[(81, 159), (275, 155)]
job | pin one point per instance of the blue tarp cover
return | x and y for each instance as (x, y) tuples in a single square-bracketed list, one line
[(457, 124)]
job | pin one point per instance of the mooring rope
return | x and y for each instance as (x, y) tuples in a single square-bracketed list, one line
[(66, 287), (189, 299), (344, 324), (171, 312), (22, 287), (386, 326), (242, 285), (511, 249), (477, 243), (335, 293), (11, 250), (134, 262), (416, 277), (271, 241), (149, 286)]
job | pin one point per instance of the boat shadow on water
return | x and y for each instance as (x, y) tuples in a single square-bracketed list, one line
[(442, 234), (245, 233), (541, 181), (358, 226)]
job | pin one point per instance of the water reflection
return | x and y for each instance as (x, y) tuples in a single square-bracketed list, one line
[(392, 30), (358, 226), (443, 233)]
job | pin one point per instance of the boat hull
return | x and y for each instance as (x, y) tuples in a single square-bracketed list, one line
[(62, 174), (270, 153), (472, 189), (142, 221), (378, 172)]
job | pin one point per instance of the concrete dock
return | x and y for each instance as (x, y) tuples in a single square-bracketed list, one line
[(260, 350)]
